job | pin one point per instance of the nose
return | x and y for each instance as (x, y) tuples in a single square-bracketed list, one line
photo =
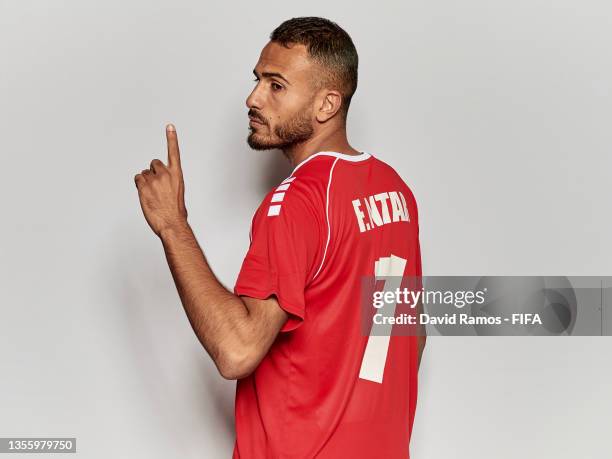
[(253, 100)]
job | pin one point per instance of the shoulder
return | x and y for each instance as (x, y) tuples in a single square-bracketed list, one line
[(304, 190), (392, 173), (294, 200), (387, 170)]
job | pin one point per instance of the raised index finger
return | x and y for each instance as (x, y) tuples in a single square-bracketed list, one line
[(174, 156)]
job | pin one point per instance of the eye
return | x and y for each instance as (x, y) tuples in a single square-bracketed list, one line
[(255, 79), (276, 86)]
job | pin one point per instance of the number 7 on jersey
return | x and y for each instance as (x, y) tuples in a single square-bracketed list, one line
[(390, 269)]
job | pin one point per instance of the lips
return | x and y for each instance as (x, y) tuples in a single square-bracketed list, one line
[(254, 121)]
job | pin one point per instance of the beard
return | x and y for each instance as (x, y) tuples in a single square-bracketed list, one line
[(296, 130)]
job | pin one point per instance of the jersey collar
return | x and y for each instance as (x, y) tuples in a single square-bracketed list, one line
[(353, 158)]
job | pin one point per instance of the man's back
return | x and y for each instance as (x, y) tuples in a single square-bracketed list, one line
[(326, 389)]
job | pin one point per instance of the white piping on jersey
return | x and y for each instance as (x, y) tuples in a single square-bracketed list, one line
[(352, 158), (331, 171)]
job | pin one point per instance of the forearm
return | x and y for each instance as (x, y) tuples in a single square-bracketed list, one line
[(217, 316)]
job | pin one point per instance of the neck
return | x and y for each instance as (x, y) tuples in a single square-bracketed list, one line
[(323, 141)]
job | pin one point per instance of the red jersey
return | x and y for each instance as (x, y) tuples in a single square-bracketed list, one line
[(325, 389)]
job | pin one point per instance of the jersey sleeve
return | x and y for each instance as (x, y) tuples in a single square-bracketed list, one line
[(285, 241)]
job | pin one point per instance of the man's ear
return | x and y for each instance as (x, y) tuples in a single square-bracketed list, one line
[(329, 103)]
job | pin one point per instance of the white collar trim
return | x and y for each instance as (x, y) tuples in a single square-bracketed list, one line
[(351, 158)]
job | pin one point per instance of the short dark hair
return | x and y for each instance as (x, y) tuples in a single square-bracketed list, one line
[(328, 45)]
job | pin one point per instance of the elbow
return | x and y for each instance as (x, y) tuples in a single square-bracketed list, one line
[(233, 373), (236, 365)]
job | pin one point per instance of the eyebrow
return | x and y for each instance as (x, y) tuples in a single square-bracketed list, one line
[(271, 75)]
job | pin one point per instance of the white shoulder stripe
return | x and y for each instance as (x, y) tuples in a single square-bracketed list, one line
[(277, 197), (274, 210), (331, 171), (351, 158)]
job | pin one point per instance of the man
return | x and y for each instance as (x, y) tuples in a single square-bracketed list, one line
[(310, 382)]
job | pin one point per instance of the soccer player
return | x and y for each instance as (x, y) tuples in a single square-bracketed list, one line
[(311, 383)]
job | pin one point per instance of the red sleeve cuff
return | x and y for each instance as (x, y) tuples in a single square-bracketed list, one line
[(296, 314)]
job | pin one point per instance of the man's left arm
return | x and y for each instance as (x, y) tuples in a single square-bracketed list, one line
[(235, 331)]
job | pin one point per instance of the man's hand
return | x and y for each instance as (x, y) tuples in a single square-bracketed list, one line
[(161, 189)]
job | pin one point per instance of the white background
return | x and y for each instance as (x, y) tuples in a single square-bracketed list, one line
[(497, 115)]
